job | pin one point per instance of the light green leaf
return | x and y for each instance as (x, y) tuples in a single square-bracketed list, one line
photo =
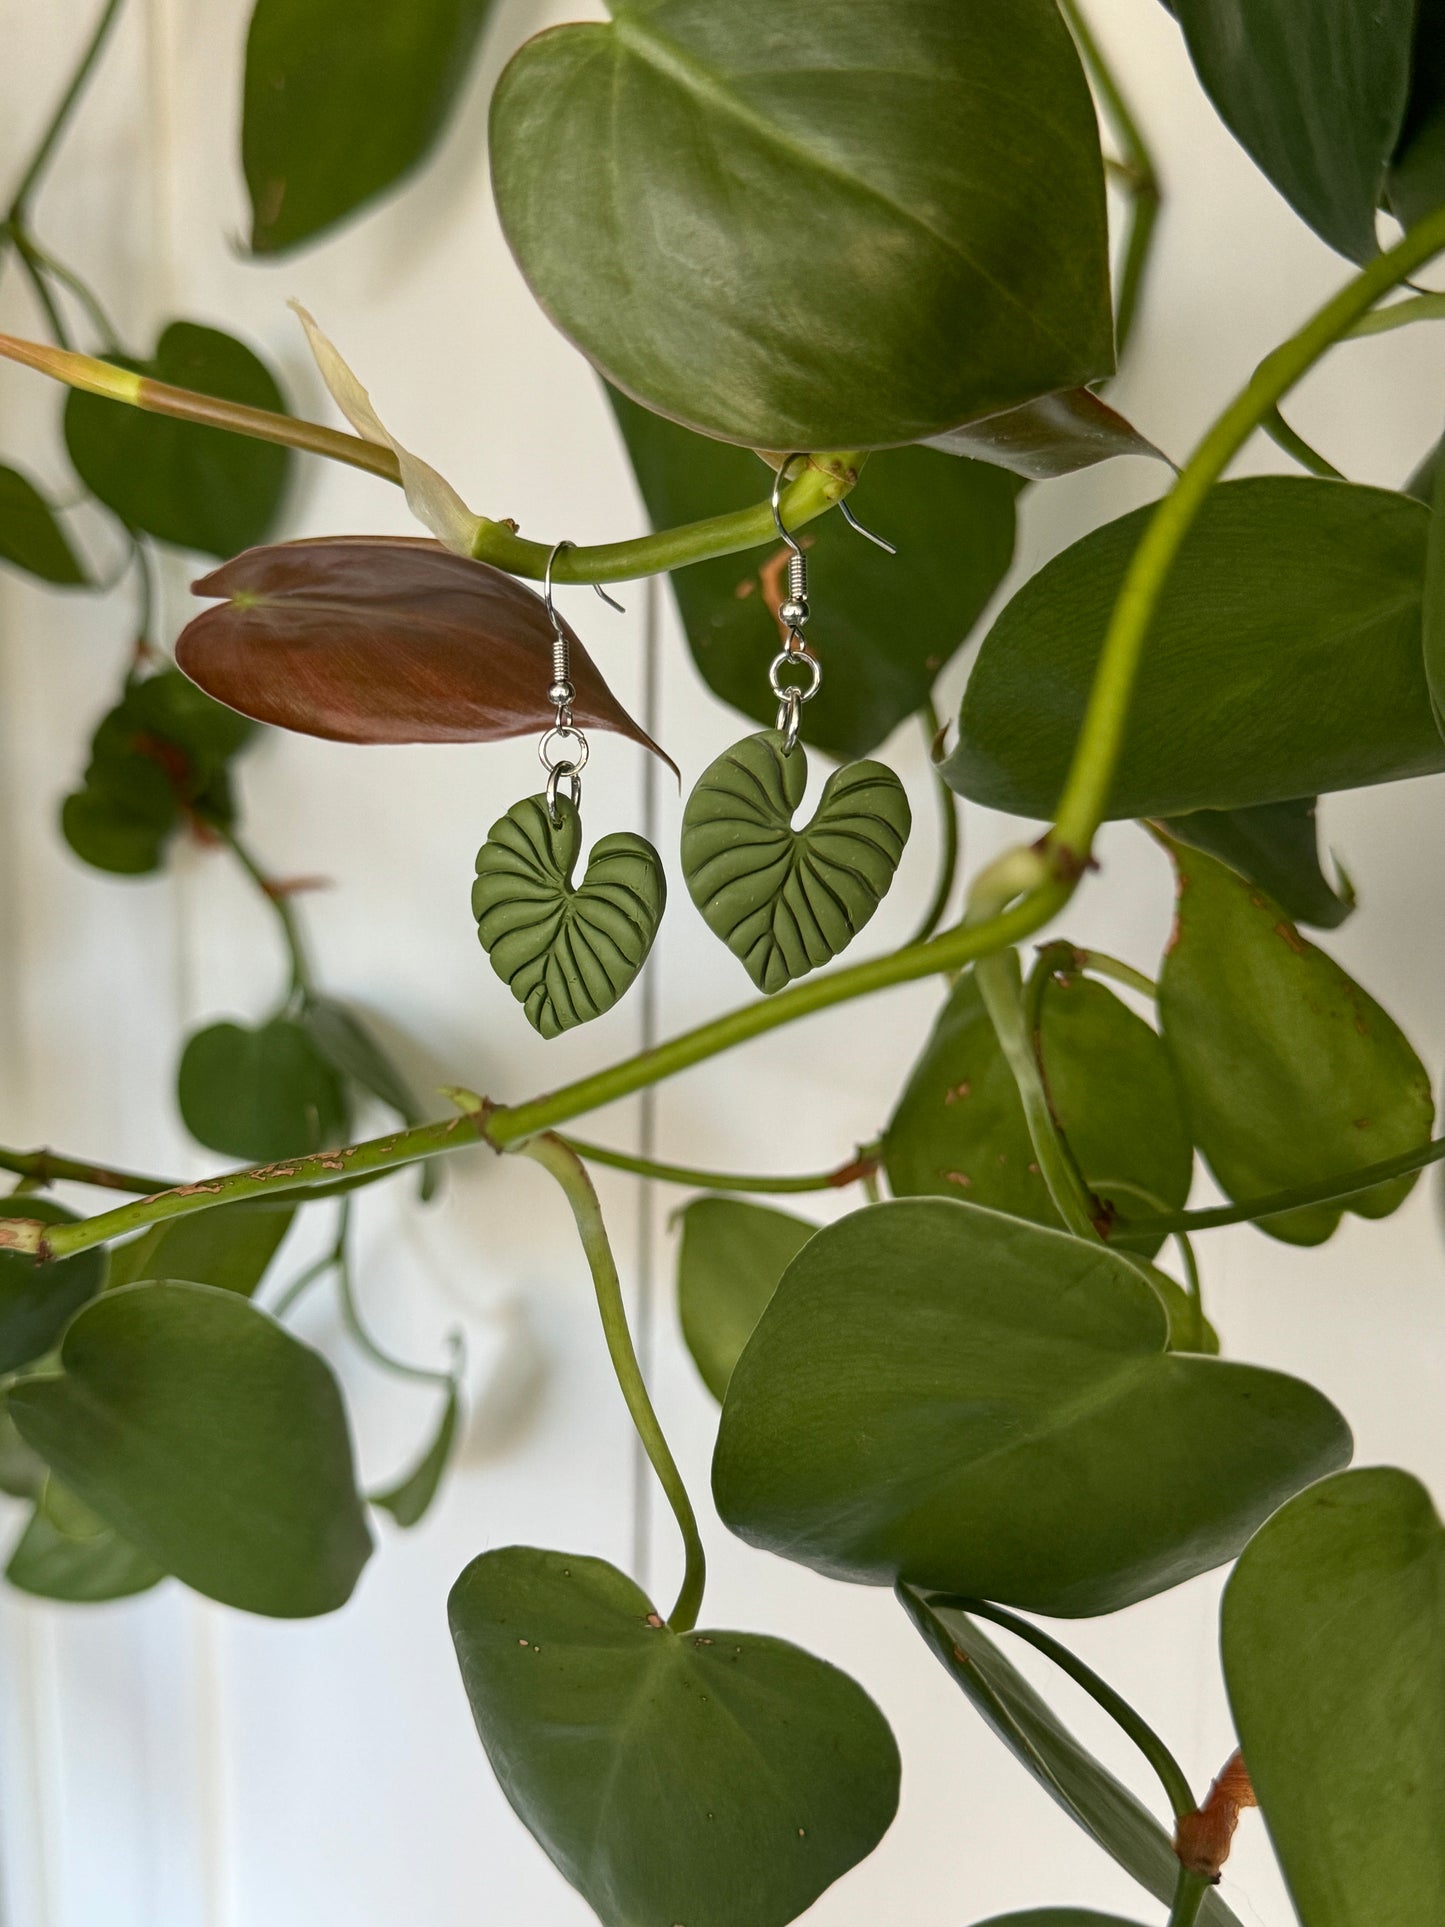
[(52, 1564), (260, 1094), (1315, 90), (1334, 1653), (37, 1301), (30, 536), (1045, 1747), (334, 115), (212, 1440), (1290, 1072), (886, 625), (728, 1266), (785, 901), (865, 225), (1284, 658), (1275, 845), (410, 1498), (721, 1779), (959, 1129), (973, 1404), (1055, 435), (199, 488), (230, 1247)]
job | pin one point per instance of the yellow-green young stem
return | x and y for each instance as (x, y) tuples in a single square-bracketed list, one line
[(1101, 739), (553, 1155), (854, 1172), (823, 483)]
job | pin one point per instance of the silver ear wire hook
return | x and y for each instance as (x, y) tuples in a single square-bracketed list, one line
[(793, 613), (852, 520)]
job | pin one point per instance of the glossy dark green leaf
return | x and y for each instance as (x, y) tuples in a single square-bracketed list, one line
[(959, 1129), (230, 1247), (260, 1094), (84, 1569), (1315, 90), (865, 224), (1416, 183), (720, 1779), (30, 536), (885, 625), (410, 1498), (212, 1440), (1284, 658), (1045, 1747), (1290, 1072), (335, 114), (1434, 616), (1055, 435), (1334, 1653), (1275, 845), (199, 488), (948, 1396), (159, 759), (728, 1266), (37, 1301)]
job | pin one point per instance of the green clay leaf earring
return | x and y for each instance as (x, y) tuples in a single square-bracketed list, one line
[(568, 953), (783, 900)]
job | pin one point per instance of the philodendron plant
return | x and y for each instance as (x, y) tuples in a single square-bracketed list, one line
[(843, 265)]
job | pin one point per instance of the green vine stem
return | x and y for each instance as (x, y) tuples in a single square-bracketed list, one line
[(339, 1261), (567, 1168), (1135, 171), (950, 840), (45, 1168), (1297, 448), (303, 986), (60, 119), (823, 483), (1189, 1895), (855, 1172), (1171, 1774), (1063, 959)]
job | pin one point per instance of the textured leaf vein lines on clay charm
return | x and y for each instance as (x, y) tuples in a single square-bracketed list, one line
[(568, 954), (786, 901)]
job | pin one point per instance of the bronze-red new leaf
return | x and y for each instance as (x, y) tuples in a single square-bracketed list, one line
[(386, 639)]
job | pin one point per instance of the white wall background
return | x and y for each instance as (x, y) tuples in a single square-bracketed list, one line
[(165, 1763)]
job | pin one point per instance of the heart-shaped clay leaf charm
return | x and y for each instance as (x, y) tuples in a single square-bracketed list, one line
[(785, 901), (568, 954)]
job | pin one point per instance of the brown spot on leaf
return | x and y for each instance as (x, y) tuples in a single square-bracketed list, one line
[(1291, 936), (960, 1178), (965, 1089)]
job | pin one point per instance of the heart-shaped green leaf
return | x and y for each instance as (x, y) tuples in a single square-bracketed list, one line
[(230, 1247), (1315, 91), (1290, 1072), (976, 1405), (199, 488), (785, 901), (1275, 845), (728, 1266), (210, 1439), (30, 536), (1334, 1653), (53, 1564), (718, 1779), (1045, 1747), (37, 1301), (567, 954), (959, 1129), (386, 639), (887, 627), (333, 117), (866, 225), (1284, 658), (260, 1094)]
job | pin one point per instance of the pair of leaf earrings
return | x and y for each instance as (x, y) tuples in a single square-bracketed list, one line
[(785, 901)]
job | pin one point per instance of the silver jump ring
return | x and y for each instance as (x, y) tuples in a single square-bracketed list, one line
[(789, 719), (802, 659), (557, 775), (573, 759)]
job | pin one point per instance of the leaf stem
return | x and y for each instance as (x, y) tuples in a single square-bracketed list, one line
[(50, 1167), (823, 483), (356, 1326), (303, 986), (556, 1157), (1064, 959), (1297, 448), (60, 119), (1100, 741), (1171, 1774), (1343, 1184), (1189, 1892), (854, 1172), (949, 838), (1136, 171)]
